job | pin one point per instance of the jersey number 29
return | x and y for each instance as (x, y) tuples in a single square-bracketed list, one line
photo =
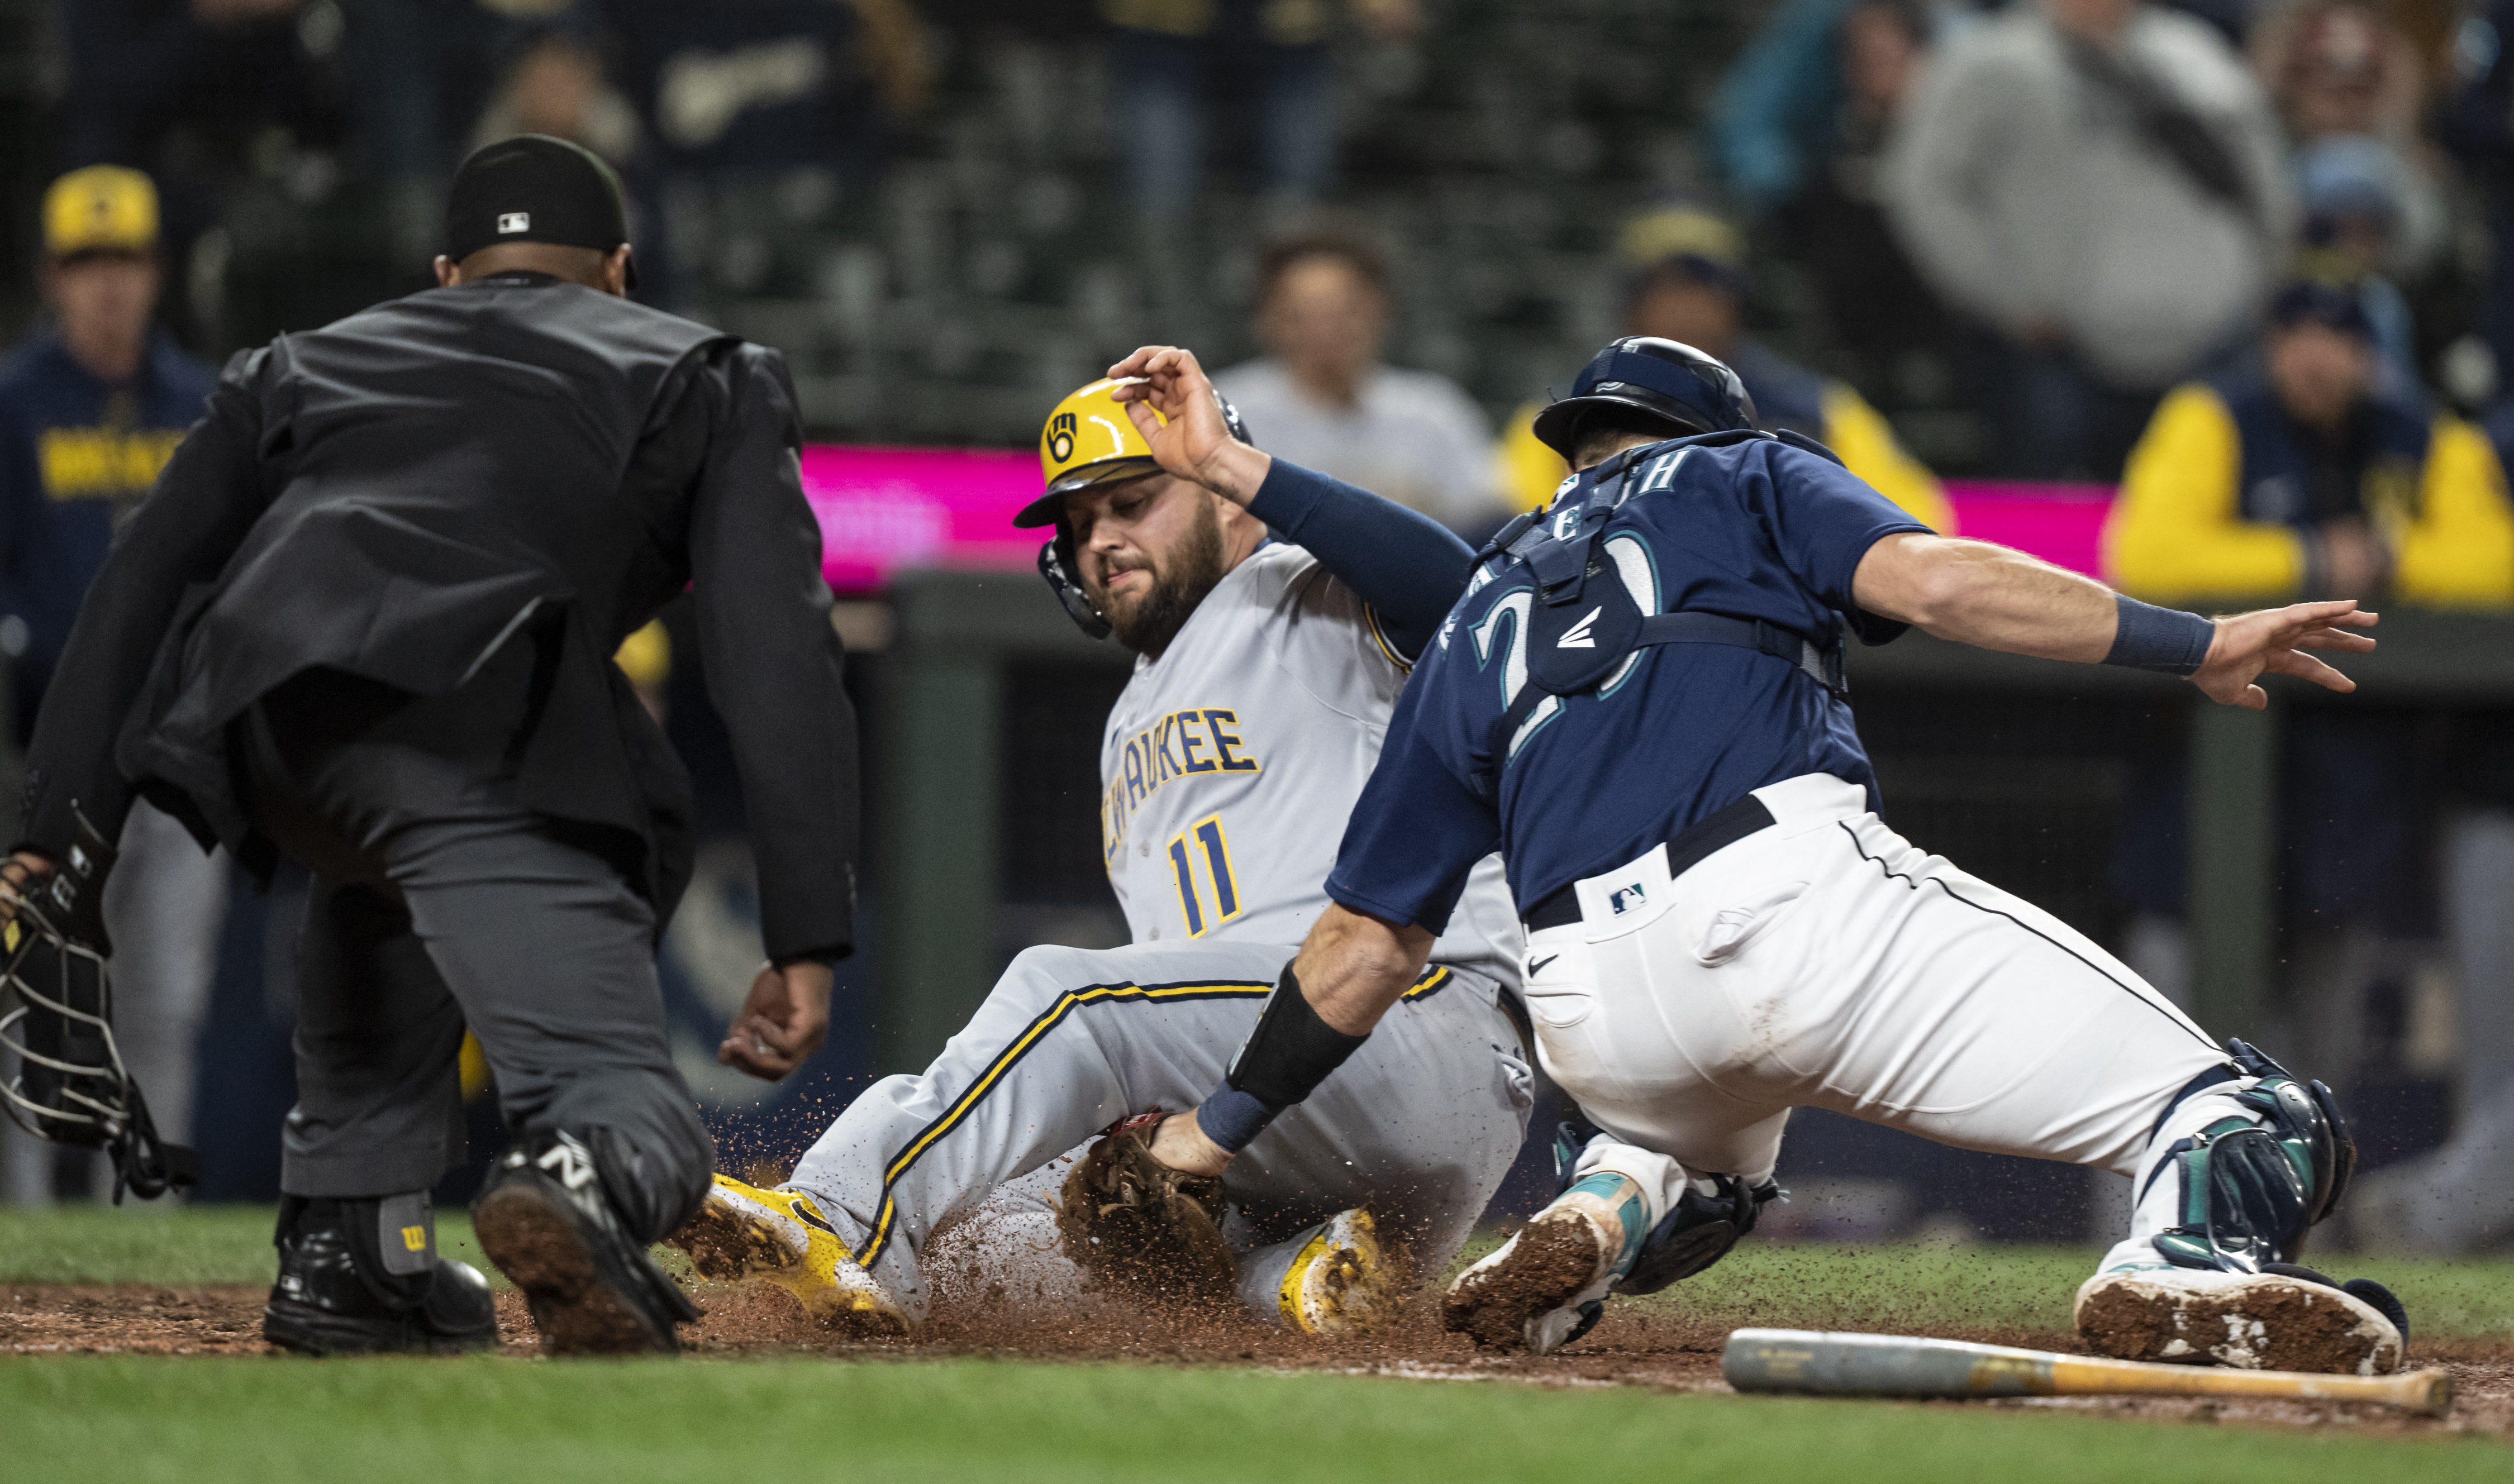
[(1205, 839)]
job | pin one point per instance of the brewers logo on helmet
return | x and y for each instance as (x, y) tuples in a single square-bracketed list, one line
[(1090, 439)]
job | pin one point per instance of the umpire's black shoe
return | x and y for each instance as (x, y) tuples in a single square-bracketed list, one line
[(544, 1220), (333, 1300)]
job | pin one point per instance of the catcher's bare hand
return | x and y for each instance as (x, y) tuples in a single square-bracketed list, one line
[(2274, 641), (1179, 1143), (782, 1023), (20, 874), (1189, 438)]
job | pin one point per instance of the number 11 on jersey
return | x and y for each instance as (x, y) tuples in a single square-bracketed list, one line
[(1205, 839)]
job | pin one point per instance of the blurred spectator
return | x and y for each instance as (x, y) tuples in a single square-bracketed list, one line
[(2353, 189), (1321, 398), (92, 405), (766, 120), (421, 70), (220, 69), (2102, 184), (556, 86), (2307, 477), (1820, 77), (768, 84), (1688, 282), (204, 94), (2479, 129), (646, 659), (1170, 61), (2343, 75), (2313, 476), (2339, 68), (1849, 66)]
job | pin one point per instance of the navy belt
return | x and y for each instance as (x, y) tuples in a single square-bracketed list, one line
[(1560, 906)]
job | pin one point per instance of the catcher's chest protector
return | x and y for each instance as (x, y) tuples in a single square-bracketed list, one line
[(1583, 623)]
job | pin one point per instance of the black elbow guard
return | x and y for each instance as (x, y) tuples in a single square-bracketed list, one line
[(1290, 1052)]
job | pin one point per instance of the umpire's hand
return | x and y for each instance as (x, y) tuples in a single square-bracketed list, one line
[(782, 1023), (2274, 641), (20, 875)]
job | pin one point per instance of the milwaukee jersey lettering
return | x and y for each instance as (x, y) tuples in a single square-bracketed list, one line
[(1230, 765)]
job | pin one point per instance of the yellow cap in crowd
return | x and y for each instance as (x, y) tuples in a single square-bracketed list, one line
[(100, 209)]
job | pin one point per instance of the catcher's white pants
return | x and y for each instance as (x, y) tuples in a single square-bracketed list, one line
[(1421, 1124), (1826, 962)]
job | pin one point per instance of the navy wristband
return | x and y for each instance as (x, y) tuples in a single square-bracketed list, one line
[(1233, 1118), (2147, 637)]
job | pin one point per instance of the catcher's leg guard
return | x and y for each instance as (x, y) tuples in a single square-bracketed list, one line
[(2270, 1157), (2251, 1190)]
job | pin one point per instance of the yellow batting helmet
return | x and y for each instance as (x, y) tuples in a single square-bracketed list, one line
[(1090, 439)]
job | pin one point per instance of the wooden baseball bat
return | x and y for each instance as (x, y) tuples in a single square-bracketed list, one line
[(1907, 1365)]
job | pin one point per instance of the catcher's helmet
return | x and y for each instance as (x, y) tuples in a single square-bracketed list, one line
[(1667, 380), (1090, 439)]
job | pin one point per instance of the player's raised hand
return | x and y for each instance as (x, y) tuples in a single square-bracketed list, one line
[(783, 1021), (1189, 438), (2274, 641)]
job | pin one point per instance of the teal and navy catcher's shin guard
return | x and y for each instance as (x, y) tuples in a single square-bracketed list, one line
[(2251, 1191)]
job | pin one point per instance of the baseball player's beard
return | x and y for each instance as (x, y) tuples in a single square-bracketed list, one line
[(1179, 584)]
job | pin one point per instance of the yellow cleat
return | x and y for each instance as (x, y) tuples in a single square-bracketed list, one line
[(780, 1238), (1344, 1281)]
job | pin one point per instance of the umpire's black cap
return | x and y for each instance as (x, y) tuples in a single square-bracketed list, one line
[(536, 189)]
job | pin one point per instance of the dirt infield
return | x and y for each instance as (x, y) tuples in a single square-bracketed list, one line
[(1634, 1348)]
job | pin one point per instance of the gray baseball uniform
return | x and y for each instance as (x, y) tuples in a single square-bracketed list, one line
[(1229, 767)]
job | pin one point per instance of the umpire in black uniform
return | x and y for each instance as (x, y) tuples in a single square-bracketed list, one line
[(365, 620)]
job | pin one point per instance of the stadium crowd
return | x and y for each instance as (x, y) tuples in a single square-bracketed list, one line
[(2252, 260)]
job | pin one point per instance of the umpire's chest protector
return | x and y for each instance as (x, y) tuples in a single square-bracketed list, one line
[(439, 467), (445, 473)]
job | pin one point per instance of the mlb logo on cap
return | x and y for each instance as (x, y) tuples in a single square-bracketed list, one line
[(516, 221)]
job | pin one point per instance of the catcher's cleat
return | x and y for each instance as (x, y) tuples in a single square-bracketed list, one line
[(544, 1220), (2284, 1319), (1343, 1279), (780, 1238), (1547, 1286), (330, 1301)]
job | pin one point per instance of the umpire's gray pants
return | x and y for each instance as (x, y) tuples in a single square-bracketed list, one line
[(1421, 1124), (441, 902)]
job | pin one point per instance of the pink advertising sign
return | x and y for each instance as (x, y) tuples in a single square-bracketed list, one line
[(2061, 523), (882, 509)]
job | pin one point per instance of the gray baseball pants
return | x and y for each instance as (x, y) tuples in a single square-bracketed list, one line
[(440, 903), (1421, 1125)]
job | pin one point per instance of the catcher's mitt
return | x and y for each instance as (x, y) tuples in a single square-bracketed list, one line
[(1142, 1229)]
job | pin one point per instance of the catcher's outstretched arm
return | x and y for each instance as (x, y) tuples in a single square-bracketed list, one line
[(1351, 969)]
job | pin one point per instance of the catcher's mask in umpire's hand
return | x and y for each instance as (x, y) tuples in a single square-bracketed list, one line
[(1088, 440), (71, 1086)]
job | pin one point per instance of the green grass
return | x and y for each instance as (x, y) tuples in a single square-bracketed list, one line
[(1896, 1288), (204, 1422), (210, 1420), (177, 1246)]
